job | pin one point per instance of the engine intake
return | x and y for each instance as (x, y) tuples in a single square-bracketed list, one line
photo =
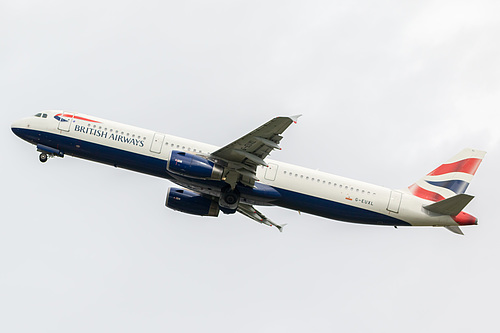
[(193, 166), (191, 202)]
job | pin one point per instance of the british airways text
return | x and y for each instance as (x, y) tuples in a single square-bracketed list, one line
[(112, 136)]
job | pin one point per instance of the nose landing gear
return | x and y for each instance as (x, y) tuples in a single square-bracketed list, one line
[(46, 152), (43, 157)]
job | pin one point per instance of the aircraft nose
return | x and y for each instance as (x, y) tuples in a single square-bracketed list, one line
[(18, 126), (15, 127)]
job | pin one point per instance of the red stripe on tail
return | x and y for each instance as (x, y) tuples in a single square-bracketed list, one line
[(469, 166), (425, 194)]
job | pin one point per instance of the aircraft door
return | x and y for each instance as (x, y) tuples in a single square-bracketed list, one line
[(65, 120), (157, 143), (271, 171), (394, 202)]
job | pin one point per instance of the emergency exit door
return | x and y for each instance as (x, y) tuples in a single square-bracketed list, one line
[(394, 202), (271, 171), (157, 143)]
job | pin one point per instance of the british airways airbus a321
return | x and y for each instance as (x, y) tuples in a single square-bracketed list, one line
[(238, 176)]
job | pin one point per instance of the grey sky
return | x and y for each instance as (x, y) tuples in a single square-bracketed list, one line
[(388, 89)]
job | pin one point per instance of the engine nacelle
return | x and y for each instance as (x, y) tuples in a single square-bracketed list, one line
[(191, 202), (193, 166)]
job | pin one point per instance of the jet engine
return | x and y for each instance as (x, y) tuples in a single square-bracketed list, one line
[(193, 166), (191, 202)]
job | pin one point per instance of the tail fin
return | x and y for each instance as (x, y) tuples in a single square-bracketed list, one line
[(449, 179)]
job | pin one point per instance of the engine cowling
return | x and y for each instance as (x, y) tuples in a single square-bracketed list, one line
[(191, 202), (193, 166)]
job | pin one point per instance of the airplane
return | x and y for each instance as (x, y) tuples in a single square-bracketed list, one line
[(238, 176)]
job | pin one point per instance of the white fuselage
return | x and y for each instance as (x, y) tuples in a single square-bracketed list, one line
[(301, 189)]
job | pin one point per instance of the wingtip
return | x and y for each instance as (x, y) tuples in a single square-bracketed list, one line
[(295, 118), (280, 227)]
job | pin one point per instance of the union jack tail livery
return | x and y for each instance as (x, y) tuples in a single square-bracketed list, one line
[(446, 186), (449, 179)]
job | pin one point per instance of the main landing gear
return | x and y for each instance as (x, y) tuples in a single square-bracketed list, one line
[(228, 201)]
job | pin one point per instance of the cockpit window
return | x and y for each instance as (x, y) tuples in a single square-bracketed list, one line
[(44, 115), (38, 115)]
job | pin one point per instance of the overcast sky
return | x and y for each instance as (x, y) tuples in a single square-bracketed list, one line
[(388, 91)]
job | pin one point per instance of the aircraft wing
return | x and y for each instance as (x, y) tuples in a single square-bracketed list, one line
[(241, 157), (254, 214)]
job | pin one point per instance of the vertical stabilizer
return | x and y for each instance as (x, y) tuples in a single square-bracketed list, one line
[(450, 178)]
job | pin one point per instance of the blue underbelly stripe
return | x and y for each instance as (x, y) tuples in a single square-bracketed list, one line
[(157, 167), (333, 210), (99, 153)]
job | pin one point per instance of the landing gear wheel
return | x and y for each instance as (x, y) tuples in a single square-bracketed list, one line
[(228, 201), (43, 157), (231, 198)]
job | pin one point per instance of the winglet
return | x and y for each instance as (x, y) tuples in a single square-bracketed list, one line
[(280, 227), (295, 118), (255, 215)]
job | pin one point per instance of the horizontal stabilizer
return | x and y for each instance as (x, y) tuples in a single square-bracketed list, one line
[(455, 229), (451, 206)]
